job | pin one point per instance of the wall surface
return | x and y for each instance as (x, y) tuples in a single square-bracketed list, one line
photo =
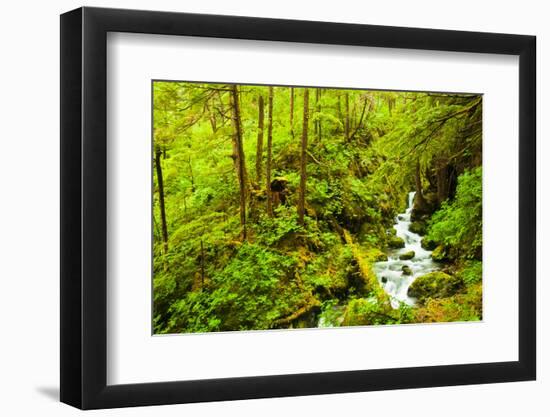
[(29, 213)]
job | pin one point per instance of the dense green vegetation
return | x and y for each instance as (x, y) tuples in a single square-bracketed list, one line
[(271, 204)]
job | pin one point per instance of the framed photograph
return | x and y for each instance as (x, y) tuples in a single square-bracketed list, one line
[(256, 208)]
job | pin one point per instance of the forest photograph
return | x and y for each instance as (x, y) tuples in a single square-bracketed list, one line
[(286, 207)]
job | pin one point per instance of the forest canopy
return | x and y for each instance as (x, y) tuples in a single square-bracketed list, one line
[(292, 207)]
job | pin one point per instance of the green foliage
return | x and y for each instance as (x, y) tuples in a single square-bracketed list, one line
[(458, 223), (368, 311), (435, 285), (272, 230), (460, 307), (364, 147), (330, 271), (472, 272), (249, 293)]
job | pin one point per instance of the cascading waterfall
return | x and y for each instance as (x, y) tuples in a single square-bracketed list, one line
[(390, 273)]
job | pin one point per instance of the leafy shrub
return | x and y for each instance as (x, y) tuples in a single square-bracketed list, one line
[(367, 311), (472, 272), (461, 307), (458, 223), (251, 292)]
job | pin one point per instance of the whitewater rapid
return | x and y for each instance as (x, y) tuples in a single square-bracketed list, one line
[(390, 273)]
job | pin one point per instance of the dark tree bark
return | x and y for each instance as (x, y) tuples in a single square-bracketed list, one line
[(191, 176), (211, 117), (260, 141), (292, 112), (346, 122), (202, 265), (360, 123), (238, 156), (160, 181), (303, 160), (268, 161), (318, 110), (442, 181), (420, 201)]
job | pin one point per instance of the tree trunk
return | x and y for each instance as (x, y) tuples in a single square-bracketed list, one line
[(303, 160), (160, 181), (318, 110), (292, 112), (202, 265), (191, 176), (420, 201), (211, 117), (260, 141), (442, 182), (268, 162), (346, 122), (238, 156)]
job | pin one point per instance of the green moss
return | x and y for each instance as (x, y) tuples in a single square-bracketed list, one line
[(435, 285), (418, 227), (440, 254), (407, 255), (369, 311), (396, 242), (406, 270), (428, 243), (375, 255), (460, 307)]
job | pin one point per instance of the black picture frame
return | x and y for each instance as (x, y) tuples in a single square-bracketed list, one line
[(84, 207)]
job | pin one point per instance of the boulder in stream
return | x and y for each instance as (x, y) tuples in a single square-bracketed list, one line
[(407, 255), (418, 227), (435, 285), (406, 270), (396, 242)]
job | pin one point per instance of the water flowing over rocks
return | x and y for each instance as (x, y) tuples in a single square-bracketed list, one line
[(392, 274)]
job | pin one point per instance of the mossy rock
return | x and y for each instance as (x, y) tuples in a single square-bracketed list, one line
[(407, 255), (435, 285), (418, 228), (428, 244), (375, 255), (406, 270), (439, 254), (365, 311), (391, 232), (396, 242)]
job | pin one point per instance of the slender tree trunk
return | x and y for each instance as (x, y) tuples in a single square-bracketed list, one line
[(292, 112), (211, 117), (191, 177), (442, 182), (238, 155), (360, 123), (346, 123), (268, 162), (202, 264), (160, 182), (303, 160), (260, 141), (421, 202), (318, 110)]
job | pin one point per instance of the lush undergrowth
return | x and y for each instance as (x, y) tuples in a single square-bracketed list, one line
[(272, 204)]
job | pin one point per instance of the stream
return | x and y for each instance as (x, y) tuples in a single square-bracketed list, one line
[(390, 273)]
